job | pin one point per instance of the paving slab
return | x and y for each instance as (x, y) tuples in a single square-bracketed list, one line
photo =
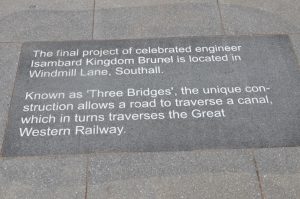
[(9, 54), (296, 45), (139, 3), (260, 16), (198, 174), (280, 172), (36, 20), (156, 19), (30, 178)]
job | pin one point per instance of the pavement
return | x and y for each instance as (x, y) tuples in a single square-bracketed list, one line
[(270, 173)]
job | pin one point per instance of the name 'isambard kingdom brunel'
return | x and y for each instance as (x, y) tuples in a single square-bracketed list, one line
[(165, 94)]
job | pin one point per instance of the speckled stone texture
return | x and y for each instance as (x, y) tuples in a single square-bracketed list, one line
[(280, 172), (207, 174), (37, 20), (260, 16), (150, 19), (36, 178)]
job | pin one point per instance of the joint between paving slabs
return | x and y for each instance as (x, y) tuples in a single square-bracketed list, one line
[(221, 18), (87, 175), (93, 20), (294, 49), (258, 175)]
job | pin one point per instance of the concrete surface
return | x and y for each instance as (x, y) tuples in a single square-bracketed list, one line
[(260, 16), (144, 21), (39, 177), (280, 172), (45, 20), (173, 175)]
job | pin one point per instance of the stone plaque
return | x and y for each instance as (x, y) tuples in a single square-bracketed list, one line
[(164, 94)]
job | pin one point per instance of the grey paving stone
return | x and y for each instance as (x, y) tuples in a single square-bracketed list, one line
[(30, 178), (148, 20), (206, 174), (296, 44), (9, 54), (138, 3), (260, 16), (280, 172), (45, 20)]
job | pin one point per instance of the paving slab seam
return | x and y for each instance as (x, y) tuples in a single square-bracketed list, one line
[(294, 50), (87, 176), (93, 22), (249, 7), (10, 42), (221, 18), (43, 156), (151, 5), (258, 175), (258, 34)]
